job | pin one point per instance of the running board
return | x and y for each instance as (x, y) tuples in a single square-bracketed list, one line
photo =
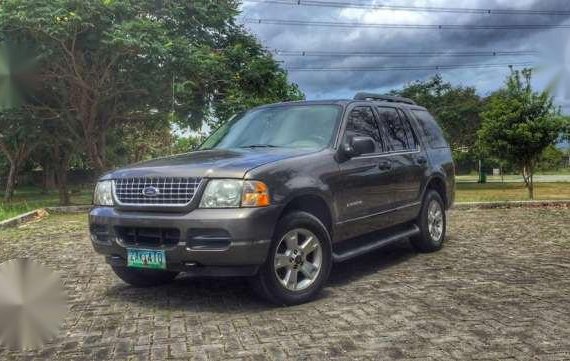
[(368, 246)]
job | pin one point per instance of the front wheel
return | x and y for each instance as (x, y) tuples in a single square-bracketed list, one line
[(432, 224), (299, 261), (144, 277)]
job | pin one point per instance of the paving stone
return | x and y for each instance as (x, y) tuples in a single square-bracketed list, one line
[(499, 289)]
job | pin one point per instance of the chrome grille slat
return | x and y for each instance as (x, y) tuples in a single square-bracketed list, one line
[(173, 191)]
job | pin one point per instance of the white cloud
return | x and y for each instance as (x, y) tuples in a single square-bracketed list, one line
[(319, 85)]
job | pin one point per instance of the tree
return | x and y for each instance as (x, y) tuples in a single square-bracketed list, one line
[(58, 147), (109, 64), (19, 135), (133, 144), (185, 144), (255, 77), (18, 126), (519, 124), (456, 108), (551, 159)]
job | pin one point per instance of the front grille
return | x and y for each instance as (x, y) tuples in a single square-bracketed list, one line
[(153, 237), (167, 191)]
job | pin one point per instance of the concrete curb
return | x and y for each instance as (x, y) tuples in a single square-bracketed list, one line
[(41, 213), (512, 204), (69, 209), (23, 218)]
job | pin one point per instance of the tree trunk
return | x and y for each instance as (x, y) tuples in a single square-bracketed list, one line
[(61, 158), (94, 153), (530, 186), (94, 157), (62, 187), (16, 158), (528, 179), (11, 182), (49, 182)]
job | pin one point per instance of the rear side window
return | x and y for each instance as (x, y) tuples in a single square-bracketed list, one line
[(361, 122), (431, 130), (397, 130)]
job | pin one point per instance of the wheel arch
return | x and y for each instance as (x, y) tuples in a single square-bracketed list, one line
[(313, 203), (437, 183)]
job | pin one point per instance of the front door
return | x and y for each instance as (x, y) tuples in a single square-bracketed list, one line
[(362, 191)]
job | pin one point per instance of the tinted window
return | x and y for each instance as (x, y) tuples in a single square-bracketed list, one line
[(397, 129), (432, 131), (361, 122), (412, 136)]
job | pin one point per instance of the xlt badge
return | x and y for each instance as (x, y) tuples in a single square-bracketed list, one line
[(354, 204)]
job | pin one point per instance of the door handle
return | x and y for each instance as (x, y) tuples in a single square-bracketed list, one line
[(385, 165), (421, 160)]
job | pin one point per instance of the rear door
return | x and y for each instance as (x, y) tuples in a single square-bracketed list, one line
[(407, 161)]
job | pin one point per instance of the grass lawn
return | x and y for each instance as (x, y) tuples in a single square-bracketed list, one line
[(513, 178), (474, 192), (28, 198)]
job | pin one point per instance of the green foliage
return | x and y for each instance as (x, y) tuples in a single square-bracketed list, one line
[(185, 144), (466, 161), (519, 124), (457, 109), (256, 78), (133, 143), (109, 64), (551, 159), (18, 126), (19, 135)]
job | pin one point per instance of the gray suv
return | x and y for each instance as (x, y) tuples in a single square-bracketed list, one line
[(278, 194)]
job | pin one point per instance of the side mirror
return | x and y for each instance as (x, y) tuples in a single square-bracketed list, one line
[(358, 146)]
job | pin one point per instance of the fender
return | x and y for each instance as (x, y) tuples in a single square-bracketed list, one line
[(440, 177), (306, 186)]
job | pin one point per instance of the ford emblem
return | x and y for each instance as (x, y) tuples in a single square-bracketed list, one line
[(150, 191)]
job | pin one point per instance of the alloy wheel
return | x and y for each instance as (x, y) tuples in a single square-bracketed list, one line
[(298, 259), (435, 220)]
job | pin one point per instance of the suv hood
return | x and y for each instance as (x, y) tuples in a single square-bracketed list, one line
[(215, 163)]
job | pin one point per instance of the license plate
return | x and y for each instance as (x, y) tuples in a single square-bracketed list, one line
[(146, 258)]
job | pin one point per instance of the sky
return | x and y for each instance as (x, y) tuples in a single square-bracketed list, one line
[(551, 47)]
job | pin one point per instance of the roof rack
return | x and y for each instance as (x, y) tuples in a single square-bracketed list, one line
[(382, 97)]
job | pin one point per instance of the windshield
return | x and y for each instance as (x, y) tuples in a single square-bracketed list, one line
[(291, 126)]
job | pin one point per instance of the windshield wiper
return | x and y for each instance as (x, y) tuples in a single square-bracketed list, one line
[(260, 146)]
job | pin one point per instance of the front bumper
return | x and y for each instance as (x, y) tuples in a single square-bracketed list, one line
[(249, 232)]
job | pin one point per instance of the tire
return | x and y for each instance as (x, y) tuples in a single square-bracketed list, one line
[(432, 225), (144, 277), (305, 234)]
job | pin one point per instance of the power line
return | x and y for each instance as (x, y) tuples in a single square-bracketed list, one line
[(410, 68), (336, 24), (404, 54), (352, 5)]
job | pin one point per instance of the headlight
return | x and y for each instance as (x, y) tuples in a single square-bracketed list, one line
[(233, 193), (103, 195)]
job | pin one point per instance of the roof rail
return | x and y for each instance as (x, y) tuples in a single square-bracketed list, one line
[(382, 97)]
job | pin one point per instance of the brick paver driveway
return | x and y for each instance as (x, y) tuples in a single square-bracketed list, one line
[(499, 289)]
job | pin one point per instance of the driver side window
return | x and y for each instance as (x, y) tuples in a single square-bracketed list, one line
[(362, 123)]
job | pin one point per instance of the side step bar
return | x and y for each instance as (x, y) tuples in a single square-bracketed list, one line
[(376, 243)]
